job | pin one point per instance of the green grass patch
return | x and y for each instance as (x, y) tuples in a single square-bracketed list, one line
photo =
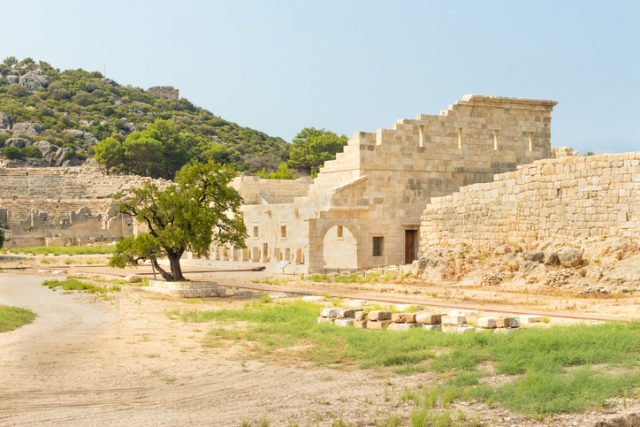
[(62, 250), (13, 317), (74, 284), (557, 369)]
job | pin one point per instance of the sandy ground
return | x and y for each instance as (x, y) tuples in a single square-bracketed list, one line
[(87, 361)]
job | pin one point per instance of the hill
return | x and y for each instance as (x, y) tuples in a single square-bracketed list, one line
[(50, 117)]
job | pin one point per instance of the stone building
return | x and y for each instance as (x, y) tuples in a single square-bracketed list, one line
[(364, 207), (62, 206), (562, 201)]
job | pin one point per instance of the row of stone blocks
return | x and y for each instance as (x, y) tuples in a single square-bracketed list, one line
[(381, 319)]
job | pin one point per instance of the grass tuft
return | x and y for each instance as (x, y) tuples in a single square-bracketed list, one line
[(62, 250), (73, 284), (13, 317)]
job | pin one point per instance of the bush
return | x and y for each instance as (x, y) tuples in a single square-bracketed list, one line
[(17, 90), (31, 152), (13, 153)]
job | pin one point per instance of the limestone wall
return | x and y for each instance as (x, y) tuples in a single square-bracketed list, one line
[(376, 189), (561, 200), (63, 205)]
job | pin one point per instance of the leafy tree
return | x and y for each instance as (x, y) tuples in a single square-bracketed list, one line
[(283, 172), (312, 147), (186, 215), (158, 151)]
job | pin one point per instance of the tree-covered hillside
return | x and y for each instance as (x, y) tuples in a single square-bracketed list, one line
[(53, 118)]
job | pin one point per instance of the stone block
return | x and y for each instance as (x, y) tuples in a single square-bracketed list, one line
[(401, 326), (456, 320), (378, 324), (486, 322), (361, 324), (344, 322), (405, 307), (313, 298), (325, 320), (329, 312), (432, 327), (429, 318), (403, 317), (345, 313), (458, 329), (360, 315), (379, 315), (507, 322)]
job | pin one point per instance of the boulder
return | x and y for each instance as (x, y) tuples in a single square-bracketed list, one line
[(535, 256), (27, 129), (5, 121), (570, 257), (357, 303), (13, 78), (17, 142), (45, 147), (133, 278), (551, 258), (34, 81), (82, 137), (418, 266), (325, 319), (432, 327), (312, 298)]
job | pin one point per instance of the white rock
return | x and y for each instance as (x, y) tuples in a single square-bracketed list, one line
[(312, 298), (486, 322), (401, 326), (329, 312), (357, 303), (432, 327)]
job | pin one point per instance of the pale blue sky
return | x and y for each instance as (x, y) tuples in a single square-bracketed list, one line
[(348, 65)]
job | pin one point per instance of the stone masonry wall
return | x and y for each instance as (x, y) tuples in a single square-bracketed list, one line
[(70, 205), (560, 200)]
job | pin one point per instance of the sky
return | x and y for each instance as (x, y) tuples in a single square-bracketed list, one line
[(354, 65)]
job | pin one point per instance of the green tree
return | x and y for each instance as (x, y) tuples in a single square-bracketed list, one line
[(312, 147), (187, 215), (283, 172), (158, 151), (110, 153)]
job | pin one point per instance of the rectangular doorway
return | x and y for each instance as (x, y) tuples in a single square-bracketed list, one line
[(410, 246)]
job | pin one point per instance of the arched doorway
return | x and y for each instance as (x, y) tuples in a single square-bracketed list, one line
[(340, 249)]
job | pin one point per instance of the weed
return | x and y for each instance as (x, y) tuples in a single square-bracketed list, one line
[(62, 250), (73, 284)]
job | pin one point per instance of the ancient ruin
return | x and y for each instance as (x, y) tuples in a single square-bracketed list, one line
[(364, 208), (62, 206)]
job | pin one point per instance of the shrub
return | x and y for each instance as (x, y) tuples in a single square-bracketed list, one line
[(13, 153), (32, 152)]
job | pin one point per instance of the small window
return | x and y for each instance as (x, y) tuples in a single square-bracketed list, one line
[(255, 231), (340, 232), (530, 141), (496, 134), (378, 245), (459, 138), (283, 231)]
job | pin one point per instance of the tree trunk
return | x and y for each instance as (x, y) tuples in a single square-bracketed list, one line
[(174, 262), (168, 277)]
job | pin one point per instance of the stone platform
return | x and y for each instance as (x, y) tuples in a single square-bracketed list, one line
[(191, 289)]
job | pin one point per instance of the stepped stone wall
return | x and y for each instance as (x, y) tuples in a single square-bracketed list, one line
[(73, 205), (560, 200), (363, 209)]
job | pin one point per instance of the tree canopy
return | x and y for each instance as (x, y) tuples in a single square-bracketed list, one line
[(187, 215), (312, 147)]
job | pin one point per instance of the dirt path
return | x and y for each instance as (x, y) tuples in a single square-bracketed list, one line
[(124, 362)]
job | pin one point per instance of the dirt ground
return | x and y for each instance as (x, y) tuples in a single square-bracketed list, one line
[(88, 361)]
